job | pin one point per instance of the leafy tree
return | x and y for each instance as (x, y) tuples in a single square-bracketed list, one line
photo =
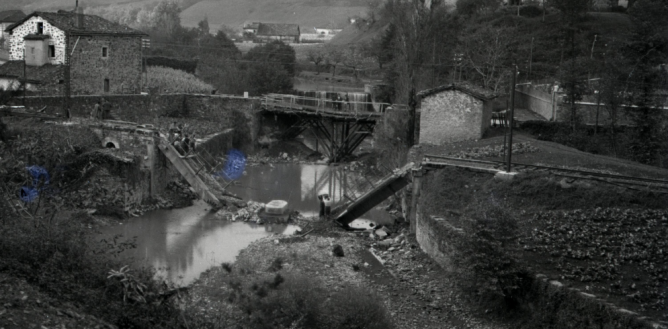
[(572, 10), (203, 26), (265, 77), (274, 52)]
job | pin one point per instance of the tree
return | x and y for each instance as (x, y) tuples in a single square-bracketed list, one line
[(316, 56), (334, 56), (274, 52), (203, 26), (265, 77), (572, 10), (487, 49), (354, 59)]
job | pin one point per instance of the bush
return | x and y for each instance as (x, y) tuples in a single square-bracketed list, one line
[(174, 63), (176, 81), (531, 11), (291, 300), (488, 255)]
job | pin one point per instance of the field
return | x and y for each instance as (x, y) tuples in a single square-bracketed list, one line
[(306, 13), (603, 239)]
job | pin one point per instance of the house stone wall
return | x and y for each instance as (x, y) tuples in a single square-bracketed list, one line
[(16, 42), (451, 116), (122, 66)]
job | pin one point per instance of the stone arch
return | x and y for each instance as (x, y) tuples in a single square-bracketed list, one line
[(110, 142)]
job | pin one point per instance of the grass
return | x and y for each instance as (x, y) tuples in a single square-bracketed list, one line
[(176, 81)]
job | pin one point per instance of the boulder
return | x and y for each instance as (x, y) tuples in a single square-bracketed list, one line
[(337, 250)]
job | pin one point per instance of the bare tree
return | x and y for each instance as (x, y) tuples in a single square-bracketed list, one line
[(317, 57), (486, 50), (334, 56), (354, 59)]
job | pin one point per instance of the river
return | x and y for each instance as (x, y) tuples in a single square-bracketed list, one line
[(182, 243)]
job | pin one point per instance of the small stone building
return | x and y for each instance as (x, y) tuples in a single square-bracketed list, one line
[(104, 57), (453, 113)]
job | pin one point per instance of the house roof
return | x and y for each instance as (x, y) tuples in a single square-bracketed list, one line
[(11, 16), (268, 29), (253, 25), (67, 21), (467, 88), (47, 73)]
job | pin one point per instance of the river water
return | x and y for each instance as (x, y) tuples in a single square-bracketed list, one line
[(182, 243)]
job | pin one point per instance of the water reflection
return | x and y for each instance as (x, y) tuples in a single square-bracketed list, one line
[(300, 184), (183, 243)]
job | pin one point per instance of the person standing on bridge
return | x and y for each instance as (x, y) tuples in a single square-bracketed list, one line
[(95, 114), (347, 101)]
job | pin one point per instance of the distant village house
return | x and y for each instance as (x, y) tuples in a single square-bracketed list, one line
[(104, 57)]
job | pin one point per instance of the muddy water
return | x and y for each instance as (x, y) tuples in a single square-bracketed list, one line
[(182, 243), (300, 184)]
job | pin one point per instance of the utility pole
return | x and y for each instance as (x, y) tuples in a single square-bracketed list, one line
[(511, 121), (25, 79), (530, 59)]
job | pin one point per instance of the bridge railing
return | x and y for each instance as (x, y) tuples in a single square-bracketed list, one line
[(317, 103)]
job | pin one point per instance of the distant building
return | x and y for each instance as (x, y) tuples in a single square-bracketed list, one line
[(283, 32), (251, 27), (8, 18), (453, 113), (104, 57)]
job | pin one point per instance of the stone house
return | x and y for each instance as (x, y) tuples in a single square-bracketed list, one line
[(283, 32), (453, 113), (104, 57)]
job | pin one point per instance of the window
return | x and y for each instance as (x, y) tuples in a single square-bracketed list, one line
[(106, 85), (105, 52), (40, 28), (32, 50), (52, 51)]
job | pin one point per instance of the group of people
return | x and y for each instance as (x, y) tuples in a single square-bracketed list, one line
[(100, 110), (181, 141), (339, 102)]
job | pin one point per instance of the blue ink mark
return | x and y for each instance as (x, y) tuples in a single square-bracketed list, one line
[(28, 194), (235, 165)]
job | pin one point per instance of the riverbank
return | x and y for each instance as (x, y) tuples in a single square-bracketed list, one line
[(414, 289)]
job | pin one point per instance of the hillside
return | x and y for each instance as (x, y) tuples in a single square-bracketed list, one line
[(29, 6), (306, 13)]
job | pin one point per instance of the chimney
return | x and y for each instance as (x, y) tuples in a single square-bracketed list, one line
[(80, 16)]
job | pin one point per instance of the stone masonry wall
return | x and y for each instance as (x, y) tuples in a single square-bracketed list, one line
[(16, 42), (450, 116), (121, 67)]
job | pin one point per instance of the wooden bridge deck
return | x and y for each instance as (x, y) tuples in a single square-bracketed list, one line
[(291, 104)]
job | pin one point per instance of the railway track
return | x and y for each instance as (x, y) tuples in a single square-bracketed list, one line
[(631, 182)]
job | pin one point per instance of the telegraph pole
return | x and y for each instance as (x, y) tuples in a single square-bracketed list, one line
[(511, 121)]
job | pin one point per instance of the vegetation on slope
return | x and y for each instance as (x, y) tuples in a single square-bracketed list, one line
[(169, 80)]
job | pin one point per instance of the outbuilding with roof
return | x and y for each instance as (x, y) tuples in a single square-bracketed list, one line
[(455, 112)]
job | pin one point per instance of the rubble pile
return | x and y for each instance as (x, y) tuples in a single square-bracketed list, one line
[(246, 214)]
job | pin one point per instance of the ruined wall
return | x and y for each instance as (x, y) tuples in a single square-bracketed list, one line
[(450, 116), (534, 99), (120, 64)]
